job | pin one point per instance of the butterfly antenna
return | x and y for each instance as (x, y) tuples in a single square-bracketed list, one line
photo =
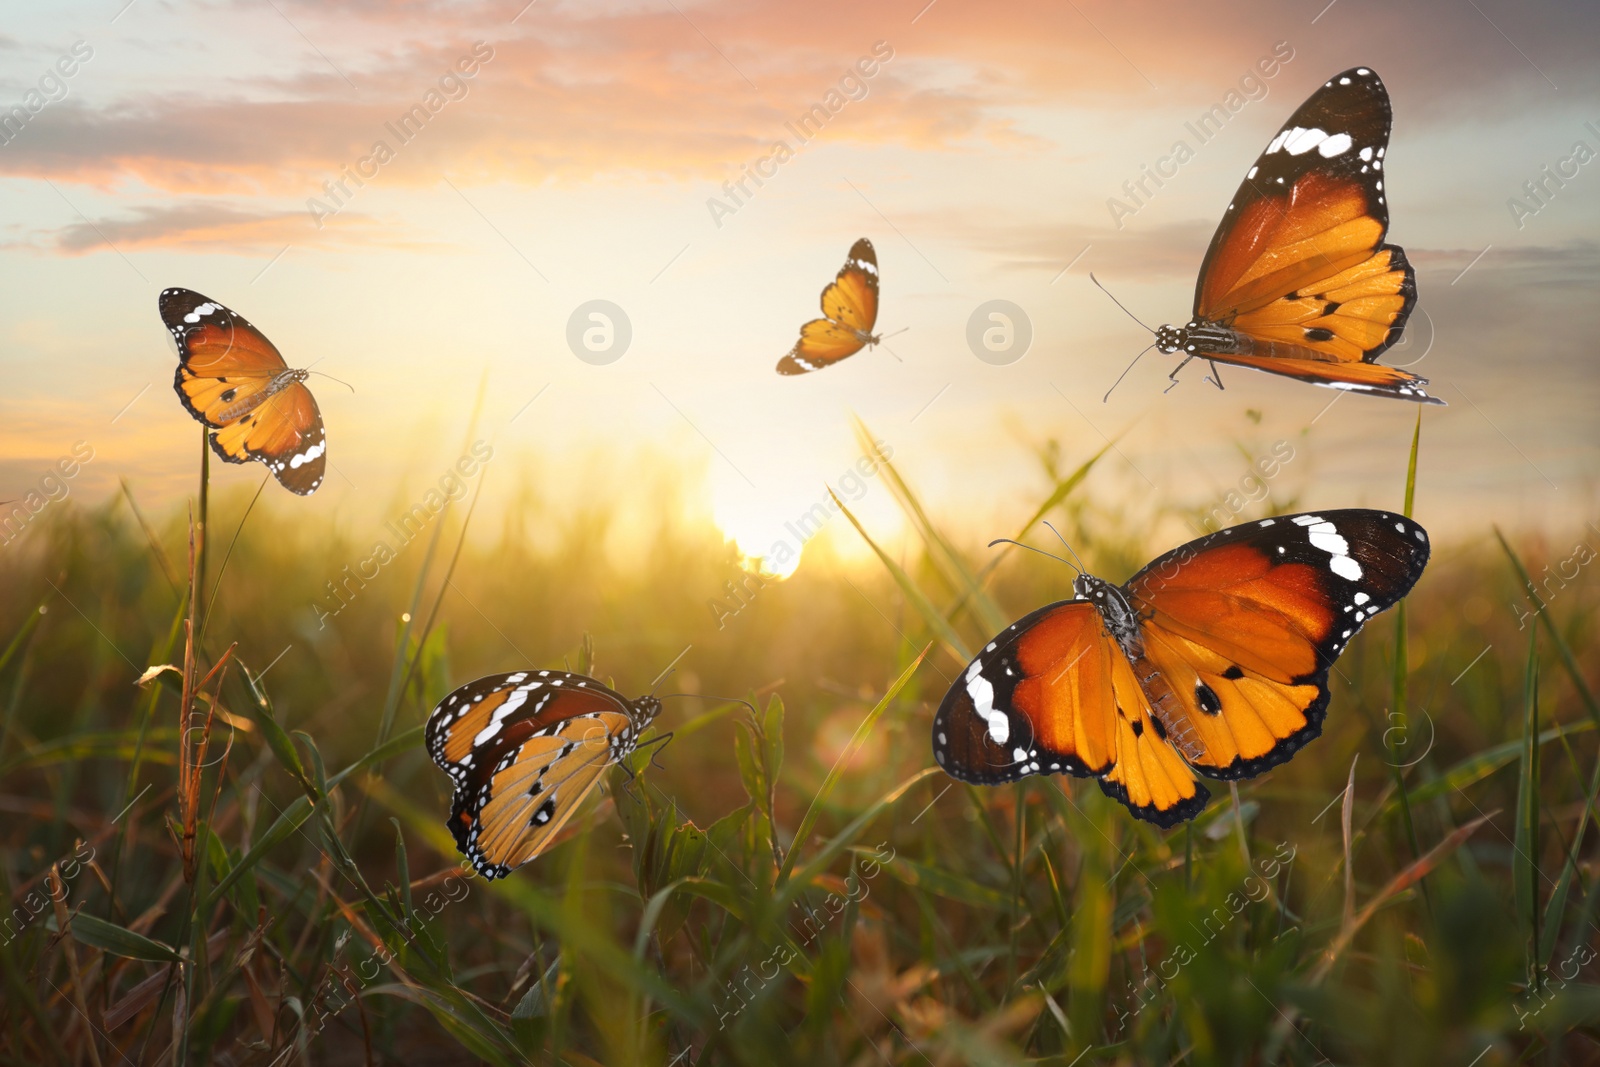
[(1081, 568), (325, 374), (669, 668), (1125, 371), (897, 333), (1030, 548), (1117, 302)]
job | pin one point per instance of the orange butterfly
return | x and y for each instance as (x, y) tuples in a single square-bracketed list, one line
[(233, 380), (1297, 280), (850, 310), (1212, 660), (524, 750)]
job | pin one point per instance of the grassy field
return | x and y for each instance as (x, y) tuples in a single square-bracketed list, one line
[(269, 881)]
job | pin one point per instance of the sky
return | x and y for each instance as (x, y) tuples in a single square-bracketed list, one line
[(574, 153)]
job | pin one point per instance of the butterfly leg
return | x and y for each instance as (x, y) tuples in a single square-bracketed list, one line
[(1173, 377), (1215, 378)]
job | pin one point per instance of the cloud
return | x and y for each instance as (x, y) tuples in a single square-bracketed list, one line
[(578, 93), (203, 226)]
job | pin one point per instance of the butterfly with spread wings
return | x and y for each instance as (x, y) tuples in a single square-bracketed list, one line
[(1297, 280), (524, 749), (234, 380), (1212, 661), (850, 311)]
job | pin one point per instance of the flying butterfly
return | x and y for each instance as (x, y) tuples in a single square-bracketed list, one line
[(1212, 661), (234, 380), (849, 309), (1297, 280), (524, 749)]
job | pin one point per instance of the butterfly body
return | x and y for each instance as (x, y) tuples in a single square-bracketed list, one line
[(244, 407), (236, 382), (1212, 661), (1298, 280), (524, 749), (849, 310)]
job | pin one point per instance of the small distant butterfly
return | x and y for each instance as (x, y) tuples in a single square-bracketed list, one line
[(524, 749), (234, 380), (1213, 660), (1297, 280), (850, 311)]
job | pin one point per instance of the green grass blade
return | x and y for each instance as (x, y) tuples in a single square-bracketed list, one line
[(118, 940), (1542, 613), (930, 614), (809, 820), (1399, 697), (1525, 865)]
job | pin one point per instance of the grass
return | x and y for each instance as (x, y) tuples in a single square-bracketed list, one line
[(269, 880)]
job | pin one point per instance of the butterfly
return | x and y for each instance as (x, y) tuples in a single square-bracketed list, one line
[(235, 381), (849, 309), (524, 749), (1297, 280), (1213, 661)]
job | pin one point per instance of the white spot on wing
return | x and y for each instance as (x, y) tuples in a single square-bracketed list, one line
[(982, 694)]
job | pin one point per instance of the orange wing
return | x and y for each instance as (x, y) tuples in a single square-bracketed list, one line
[(234, 380), (1298, 265), (850, 311), (524, 750), (1055, 694), (1240, 629)]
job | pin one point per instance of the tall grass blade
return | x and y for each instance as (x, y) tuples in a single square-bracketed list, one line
[(931, 615)]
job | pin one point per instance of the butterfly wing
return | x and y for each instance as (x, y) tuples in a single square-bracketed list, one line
[(1299, 264), (1240, 629), (1054, 694), (849, 305), (226, 370), (524, 749)]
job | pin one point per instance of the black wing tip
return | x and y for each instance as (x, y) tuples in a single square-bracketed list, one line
[(863, 250), (1166, 818)]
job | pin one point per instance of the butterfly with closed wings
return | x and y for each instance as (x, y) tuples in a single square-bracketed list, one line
[(1297, 280), (234, 380), (524, 749), (1212, 661), (850, 311)]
